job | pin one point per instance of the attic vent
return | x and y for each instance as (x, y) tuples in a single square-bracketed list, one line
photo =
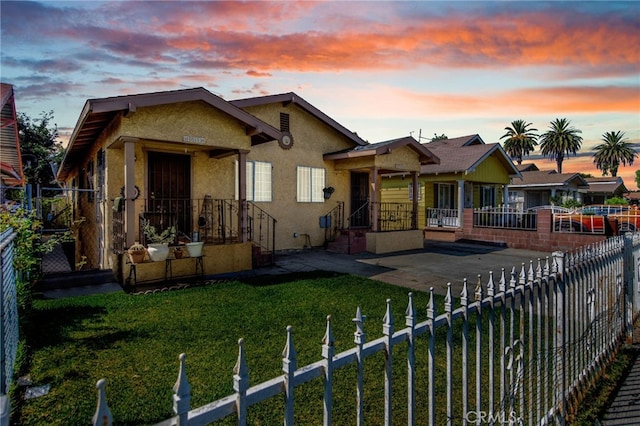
[(284, 122)]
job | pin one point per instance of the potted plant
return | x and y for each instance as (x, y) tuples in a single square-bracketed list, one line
[(194, 248), (178, 252), (136, 253), (158, 243)]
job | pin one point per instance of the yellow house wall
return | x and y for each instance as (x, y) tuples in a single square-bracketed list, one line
[(312, 139)]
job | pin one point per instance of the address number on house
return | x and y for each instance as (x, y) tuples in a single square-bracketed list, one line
[(194, 139)]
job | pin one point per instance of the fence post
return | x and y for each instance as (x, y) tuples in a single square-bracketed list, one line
[(410, 322), (182, 393), (431, 315), (387, 330), (328, 349), (560, 330), (241, 384), (102, 416), (289, 366), (628, 275), (359, 338), (464, 303)]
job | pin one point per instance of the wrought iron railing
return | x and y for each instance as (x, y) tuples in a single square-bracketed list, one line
[(395, 216), (333, 222), (442, 218), (261, 230), (209, 220), (504, 217), (361, 217)]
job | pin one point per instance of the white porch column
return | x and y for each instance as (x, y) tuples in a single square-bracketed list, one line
[(460, 202), (505, 195), (242, 195), (129, 190), (373, 183)]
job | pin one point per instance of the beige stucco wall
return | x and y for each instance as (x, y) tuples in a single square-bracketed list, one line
[(389, 242), (312, 139), (217, 259)]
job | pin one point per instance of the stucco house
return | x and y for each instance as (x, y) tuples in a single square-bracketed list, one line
[(11, 175), (470, 174), (538, 187), (248, 177)]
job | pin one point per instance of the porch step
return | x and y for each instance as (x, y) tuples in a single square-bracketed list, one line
[(349, 242), (260, 257), (75, 279)]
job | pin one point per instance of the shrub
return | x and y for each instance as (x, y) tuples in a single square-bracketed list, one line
[(616, 201)]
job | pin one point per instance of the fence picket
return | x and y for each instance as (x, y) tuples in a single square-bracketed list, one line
[(410, 322), (289, 366), (328, 351), (102, 416), (387, 330), (431, 315), (359, 339), (448, 309), (464, 303), (241, 384)]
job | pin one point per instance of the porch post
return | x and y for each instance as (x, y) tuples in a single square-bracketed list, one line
[(129, 187), (373, 176), (505, 196), (242, 195), (414, 212), (460, 202)]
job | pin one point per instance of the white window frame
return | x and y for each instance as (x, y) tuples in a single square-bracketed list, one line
[(310, 182), (259, 181), (419, 191)]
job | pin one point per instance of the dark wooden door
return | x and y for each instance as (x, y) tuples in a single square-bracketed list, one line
[(359, 200), (169, 191)]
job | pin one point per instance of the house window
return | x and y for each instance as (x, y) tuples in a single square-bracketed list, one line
[(284, 122), (419, 191), (259, 180), (311, 181), (488, 196), (445, 196)]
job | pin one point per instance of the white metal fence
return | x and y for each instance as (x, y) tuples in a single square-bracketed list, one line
[(8, 320), (519, 348), (446, 218)]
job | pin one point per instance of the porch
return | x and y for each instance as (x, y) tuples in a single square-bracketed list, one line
[(236, 235)]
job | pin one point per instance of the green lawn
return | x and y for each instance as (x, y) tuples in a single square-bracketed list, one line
[(134, 341)]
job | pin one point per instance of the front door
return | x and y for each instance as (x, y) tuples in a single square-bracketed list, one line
[(169, 191), (359, 200)]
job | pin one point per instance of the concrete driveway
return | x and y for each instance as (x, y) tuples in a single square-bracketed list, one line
[(434, 266)]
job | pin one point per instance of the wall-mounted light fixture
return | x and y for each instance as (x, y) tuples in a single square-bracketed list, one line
[(328, 191)]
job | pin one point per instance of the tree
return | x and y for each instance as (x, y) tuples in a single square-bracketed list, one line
[(437, 137), (39, 148), (560, 140), (638, 178), (520, 140), (614, 150)]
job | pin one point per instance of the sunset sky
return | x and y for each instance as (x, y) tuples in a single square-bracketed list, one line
[(384, 69)]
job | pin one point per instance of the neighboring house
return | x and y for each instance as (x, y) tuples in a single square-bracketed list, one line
[(602, 188), (246, 177), (471, 174), (539, 187), (633, 197), (11, 175)]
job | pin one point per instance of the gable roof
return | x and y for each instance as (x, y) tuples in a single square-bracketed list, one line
[(425, 156), (11, 165), (98, 113), (457, 142), (291, 97), (530, 167), (465, 155), (548, 178), (606, 185)]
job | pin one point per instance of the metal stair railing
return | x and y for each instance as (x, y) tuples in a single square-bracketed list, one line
[(333, 222), (261, 228)]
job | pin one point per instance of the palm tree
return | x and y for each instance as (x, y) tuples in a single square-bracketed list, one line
[(612, 152), (560, 140), (520, 140)]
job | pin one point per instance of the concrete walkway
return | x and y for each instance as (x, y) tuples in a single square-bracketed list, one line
[(625, 408)]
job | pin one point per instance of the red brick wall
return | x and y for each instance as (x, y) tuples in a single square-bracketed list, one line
[(541, 240)]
